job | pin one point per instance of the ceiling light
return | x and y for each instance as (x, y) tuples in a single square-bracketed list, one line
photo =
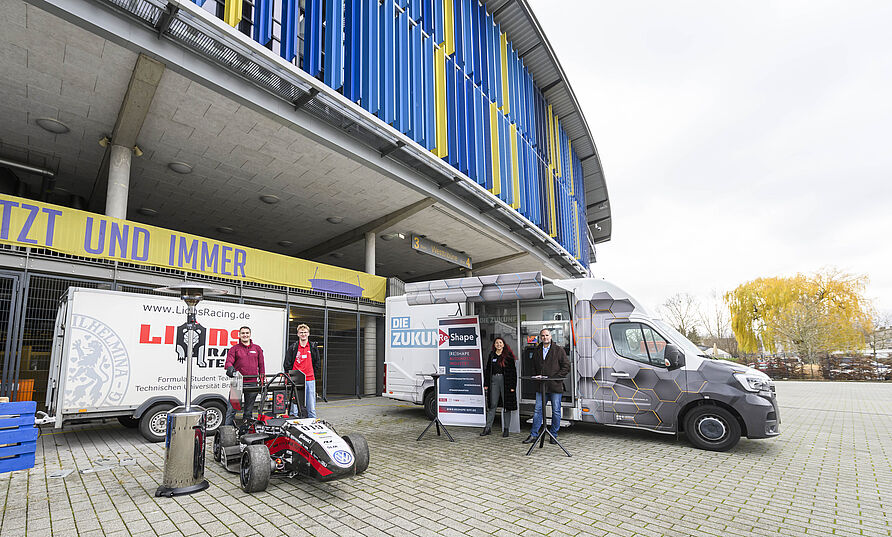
[(335, 219), (145, 211), (104, 141), (337, 255), (286, 244), (52, 125), (225, 230), (269, 198), (391, 236), (180, 167)]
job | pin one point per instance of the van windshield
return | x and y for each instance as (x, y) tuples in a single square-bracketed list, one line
[(684, 343)]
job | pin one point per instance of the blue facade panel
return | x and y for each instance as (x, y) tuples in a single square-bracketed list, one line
[(352, 49), (387, 100), (312, 58), (402, 119), (333, 73)]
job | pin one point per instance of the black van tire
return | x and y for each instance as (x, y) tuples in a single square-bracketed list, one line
[(128, 421), (216, 413), (712, 428), (430, 404), (255, 468), (360, 448), (153, 422)]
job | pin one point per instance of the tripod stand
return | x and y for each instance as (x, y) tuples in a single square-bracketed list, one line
[(436, 421), (543, 430)]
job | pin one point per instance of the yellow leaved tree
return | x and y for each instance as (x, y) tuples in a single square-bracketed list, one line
[(807, 314)]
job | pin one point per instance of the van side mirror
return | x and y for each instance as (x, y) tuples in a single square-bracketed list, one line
[(673, 356)]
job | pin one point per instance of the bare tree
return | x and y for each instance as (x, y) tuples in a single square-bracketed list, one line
[(715, 318), (681, 311)]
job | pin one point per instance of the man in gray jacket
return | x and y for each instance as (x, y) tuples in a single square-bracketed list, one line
[(549, 360)]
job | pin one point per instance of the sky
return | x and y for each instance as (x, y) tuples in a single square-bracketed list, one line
[(738, 139)]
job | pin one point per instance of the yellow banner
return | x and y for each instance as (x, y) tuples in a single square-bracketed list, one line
[(34, 224)]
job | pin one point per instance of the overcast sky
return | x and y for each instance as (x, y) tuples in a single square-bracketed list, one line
[(738, 139)]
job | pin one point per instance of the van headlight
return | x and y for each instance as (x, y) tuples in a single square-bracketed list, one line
[(753, 383)]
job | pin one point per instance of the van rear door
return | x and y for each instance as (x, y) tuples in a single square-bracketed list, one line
[(644, 392)]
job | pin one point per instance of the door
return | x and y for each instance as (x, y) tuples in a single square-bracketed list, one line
[(643, 392), (9, 294)]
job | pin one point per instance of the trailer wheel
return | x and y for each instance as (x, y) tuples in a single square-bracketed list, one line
[(712, 428), (255, 468), (360, 448), (128, 421), (226, 437), (153, 423), (216, 413), (430, 404)]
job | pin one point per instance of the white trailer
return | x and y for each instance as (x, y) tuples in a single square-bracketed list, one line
[(114, 356)]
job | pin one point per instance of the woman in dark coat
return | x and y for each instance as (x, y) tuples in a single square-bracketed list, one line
[(500, 379)]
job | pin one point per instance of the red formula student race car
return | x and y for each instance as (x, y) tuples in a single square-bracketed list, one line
[(276, 444)]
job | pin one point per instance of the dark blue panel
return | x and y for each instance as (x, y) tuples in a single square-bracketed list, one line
[(451, 114), (487, 142), (352, 49), (263, 21), (199, 3), (469, 15), (403, 120), (416, 85), (497, 65), (370, 52), (512, 85), (312, 58), (333, 73), (483, 50), (289, 30), (480, 120), (507, 161), (439, 22), (429, 112), (427, 16), (414, 8), (461, 120), (521, 174), (471, 121), (387, 85), (458, 31)]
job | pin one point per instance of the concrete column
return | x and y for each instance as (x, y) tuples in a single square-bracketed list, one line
[(370, 252), (118, 181), (469, 306), (370, 326)]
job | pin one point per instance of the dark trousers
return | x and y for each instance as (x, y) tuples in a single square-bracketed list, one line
[(247, 408)]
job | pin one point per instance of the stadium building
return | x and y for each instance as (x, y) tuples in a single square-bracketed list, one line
[(313, 154)]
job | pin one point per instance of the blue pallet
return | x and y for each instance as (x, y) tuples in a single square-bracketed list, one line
[(17, 429)]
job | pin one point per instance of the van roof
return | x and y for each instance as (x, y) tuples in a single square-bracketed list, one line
[(602, 294)]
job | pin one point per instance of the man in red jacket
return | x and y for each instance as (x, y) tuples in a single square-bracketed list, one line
[(246, 357)]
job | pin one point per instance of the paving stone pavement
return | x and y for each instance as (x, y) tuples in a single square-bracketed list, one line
[(829, 473)]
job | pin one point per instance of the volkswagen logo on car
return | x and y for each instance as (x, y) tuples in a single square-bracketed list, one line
[(342, 457)]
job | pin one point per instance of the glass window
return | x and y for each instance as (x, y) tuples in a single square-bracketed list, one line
[(656, 346), (628, 341), (638, 342)]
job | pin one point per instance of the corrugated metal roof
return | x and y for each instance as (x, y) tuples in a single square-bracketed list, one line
[(517, 20)]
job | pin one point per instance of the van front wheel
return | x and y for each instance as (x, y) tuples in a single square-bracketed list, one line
[(712, 428)]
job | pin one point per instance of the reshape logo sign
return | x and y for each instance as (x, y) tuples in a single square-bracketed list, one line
[(462, 337), (444, 337)]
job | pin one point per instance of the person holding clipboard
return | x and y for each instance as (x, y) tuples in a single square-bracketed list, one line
[(549, 360)]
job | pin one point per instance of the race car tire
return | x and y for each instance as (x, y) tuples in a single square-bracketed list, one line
[(360, 448), (216, 413), (128, 421), (153, 422), (226, 436), (430, 404), (712, 428), (255, 468)]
